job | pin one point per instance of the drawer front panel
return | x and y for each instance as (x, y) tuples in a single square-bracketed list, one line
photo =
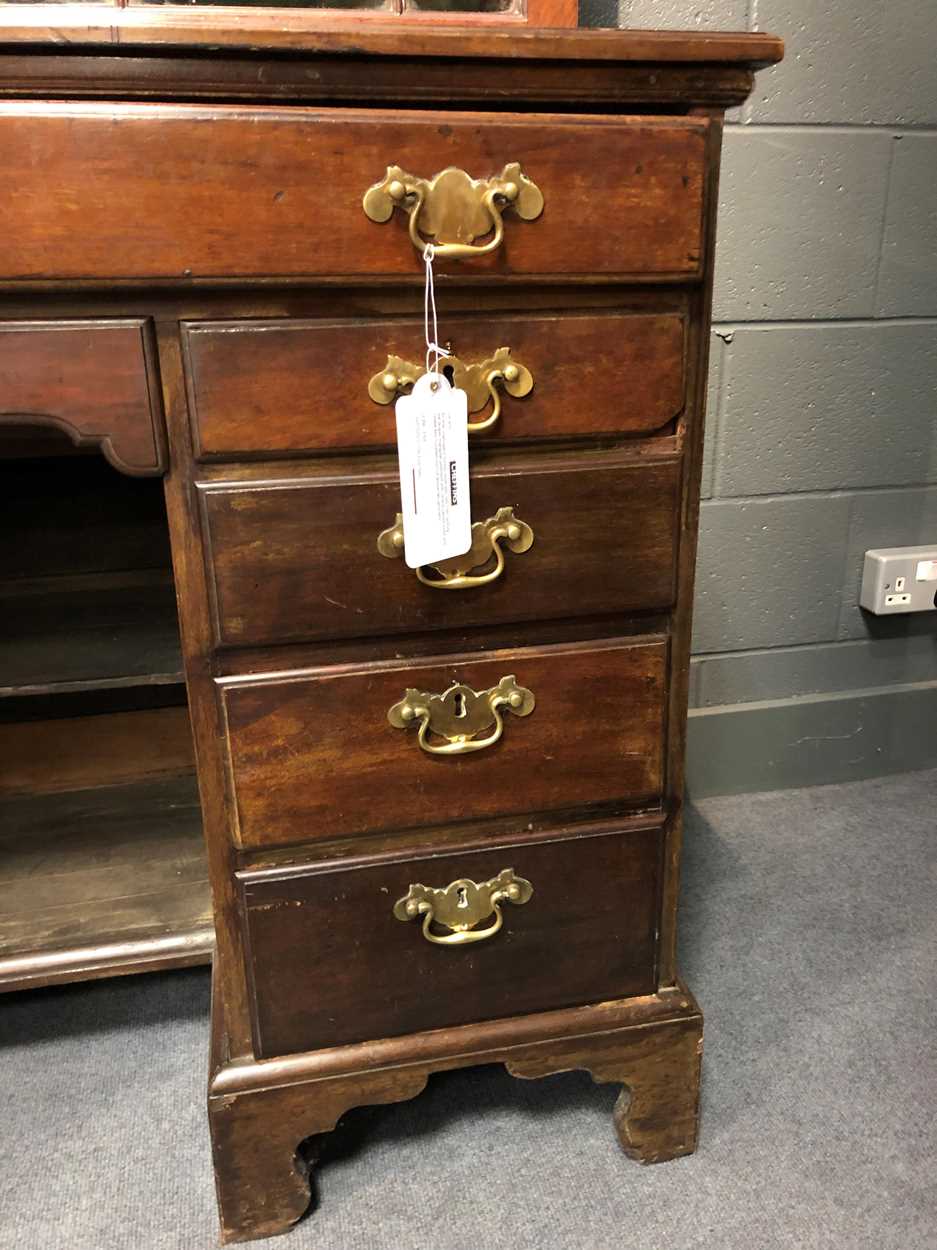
[(299, 560), (91, 379), (228, 191), (268, 388), (329, 963), (312, 755)]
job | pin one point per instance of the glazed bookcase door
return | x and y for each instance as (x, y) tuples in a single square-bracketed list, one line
[(524, 12), (513, 7)]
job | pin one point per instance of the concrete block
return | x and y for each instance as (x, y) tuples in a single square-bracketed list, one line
[(864, 61), (886, 518), (907, 279), (824, 668), (693, 690), (769, 572), (808, 742), (828, 407), (713, 404), (800, 223), (681, 15)]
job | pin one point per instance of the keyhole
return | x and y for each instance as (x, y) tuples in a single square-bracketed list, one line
[(461, 897), (458, 703), (448, 373)]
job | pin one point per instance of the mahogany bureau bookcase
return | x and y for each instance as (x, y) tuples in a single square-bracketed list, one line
[(442, 806)]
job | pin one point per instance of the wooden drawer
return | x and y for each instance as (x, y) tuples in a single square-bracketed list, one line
[(232, 191), (274, 387), (298, 559), (329, 962), (95, 380), (312, 754)]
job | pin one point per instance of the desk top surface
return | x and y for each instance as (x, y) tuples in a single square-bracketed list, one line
[(74, 28)]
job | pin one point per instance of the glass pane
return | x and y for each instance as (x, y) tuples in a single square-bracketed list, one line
[(387, 5), (465, 6)]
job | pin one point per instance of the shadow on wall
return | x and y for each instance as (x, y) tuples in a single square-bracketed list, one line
[(598, 13)]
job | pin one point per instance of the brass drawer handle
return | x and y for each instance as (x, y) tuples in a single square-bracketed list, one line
[(487, 537), (452, 209), (481, 382), (459, 714), (462, 905)]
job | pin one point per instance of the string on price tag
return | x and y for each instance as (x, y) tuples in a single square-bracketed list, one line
[(429, 312), (432, 451)]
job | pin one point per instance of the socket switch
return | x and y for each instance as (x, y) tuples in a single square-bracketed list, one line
[(899, 579)]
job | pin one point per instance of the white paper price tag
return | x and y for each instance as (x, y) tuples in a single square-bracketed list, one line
[(432, 448)]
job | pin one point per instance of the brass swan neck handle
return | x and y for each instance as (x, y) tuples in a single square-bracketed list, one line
[(461, 905), (459, 715), (482, 382), (451, 210), (489, 538)]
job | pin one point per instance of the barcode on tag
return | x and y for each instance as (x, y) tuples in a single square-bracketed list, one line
[(432, 449)]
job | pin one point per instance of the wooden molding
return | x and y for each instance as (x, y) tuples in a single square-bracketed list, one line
[(94, 380), (77, 26)]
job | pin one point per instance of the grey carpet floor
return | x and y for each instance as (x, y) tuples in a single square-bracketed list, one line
[(809, 926)]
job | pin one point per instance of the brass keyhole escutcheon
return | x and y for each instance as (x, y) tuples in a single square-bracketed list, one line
[(463, 719), (461, 906)]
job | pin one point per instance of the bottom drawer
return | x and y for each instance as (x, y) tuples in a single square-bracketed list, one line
[(330, 962)]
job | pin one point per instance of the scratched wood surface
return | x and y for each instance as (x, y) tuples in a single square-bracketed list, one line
[(94, 380), (279, 191), (650, 1045), (298, 560), (309, 751), (245, 170), (585, 935), (274, 387), (102, 880), (90, 25)]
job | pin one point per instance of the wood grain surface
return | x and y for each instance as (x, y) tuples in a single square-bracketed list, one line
[(87, 25), (218, 179), (81, 753), (100, 881), (337, 78), (271, 387), (261, 1112), (586, 934), (298, 560), (232, 191), (312, 755), (93, 380)]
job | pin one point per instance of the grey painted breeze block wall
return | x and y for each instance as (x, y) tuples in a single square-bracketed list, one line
[(822, 423)]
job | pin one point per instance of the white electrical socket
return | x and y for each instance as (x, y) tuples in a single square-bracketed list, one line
[(899, 579)]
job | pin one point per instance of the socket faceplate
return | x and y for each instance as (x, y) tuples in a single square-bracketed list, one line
[(899, 579)]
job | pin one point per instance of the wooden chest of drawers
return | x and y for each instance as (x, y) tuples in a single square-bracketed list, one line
[(442, 806)]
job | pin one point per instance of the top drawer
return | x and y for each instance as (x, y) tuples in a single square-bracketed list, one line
[(186, 191)]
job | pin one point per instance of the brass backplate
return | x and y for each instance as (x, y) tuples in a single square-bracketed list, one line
[(460, 714), (482, 381), (461, 905), (452, 209), (487, 536)]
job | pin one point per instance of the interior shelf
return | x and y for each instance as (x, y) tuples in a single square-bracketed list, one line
[(90, 632), (102, 861), (102, 881)]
